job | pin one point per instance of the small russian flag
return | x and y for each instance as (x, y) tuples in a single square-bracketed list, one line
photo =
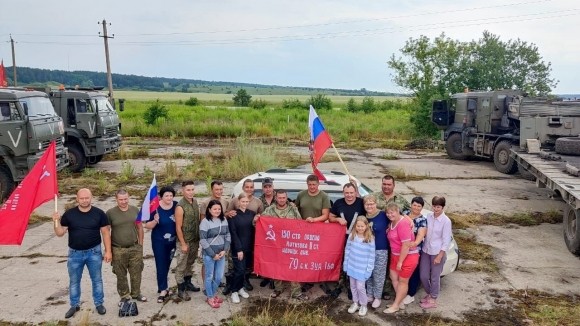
[(319, 141), (150, 203)]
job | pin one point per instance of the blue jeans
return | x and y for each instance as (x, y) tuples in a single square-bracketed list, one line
[(77, 259), (214, 269)]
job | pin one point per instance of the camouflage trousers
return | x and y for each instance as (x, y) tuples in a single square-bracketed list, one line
[(128, 260), (185, 261), (295, 287)]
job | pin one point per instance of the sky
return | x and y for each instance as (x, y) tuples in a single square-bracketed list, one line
[(328, 44)]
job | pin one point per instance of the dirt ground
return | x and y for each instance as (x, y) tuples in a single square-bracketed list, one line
[(34, 282)]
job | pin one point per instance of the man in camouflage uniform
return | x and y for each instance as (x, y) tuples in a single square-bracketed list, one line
[(268, 196), (282, 209), (127, 243), (384, 197), (187, 229), (388, 195)]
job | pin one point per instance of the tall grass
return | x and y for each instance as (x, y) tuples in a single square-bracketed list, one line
[(284, 124)]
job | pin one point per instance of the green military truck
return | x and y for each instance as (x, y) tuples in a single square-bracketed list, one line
[(28, 124), (91, 124)]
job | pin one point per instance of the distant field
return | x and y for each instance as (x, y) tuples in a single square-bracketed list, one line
[(225, 98)]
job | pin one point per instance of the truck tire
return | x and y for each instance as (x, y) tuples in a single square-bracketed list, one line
[(568, 145), (525, 174), (6, 183), (572, 229), (502, 160), (94, 159), (77, 158), (453, 146)]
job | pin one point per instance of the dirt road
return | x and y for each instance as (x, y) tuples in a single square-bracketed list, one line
[(34, 283)]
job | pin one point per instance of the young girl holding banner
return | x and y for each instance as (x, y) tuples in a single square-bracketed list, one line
[(359, 262)]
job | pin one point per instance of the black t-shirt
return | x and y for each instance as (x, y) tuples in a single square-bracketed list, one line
[(84, 228), (340, 206)]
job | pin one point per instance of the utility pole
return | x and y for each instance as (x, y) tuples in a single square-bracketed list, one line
[(106, 38), (13, 61)]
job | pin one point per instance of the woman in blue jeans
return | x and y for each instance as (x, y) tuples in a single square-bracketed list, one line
[(215, 240), (163, 239)]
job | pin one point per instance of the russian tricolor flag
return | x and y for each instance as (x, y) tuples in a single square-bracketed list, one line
[(319, 141), (150, 203)]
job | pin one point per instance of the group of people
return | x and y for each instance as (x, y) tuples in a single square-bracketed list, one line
[(221, 233)]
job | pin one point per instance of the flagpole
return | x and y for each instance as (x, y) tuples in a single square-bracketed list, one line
[(340, 158), (55, 203)]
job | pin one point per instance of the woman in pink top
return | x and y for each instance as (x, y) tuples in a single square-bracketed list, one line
[(404, 259)]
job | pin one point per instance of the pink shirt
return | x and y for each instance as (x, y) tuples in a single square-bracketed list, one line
[(399, 233)]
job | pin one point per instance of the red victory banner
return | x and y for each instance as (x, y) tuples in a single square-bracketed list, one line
[(298, 251)]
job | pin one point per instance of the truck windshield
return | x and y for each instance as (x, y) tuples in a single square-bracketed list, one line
[(102, 104), (37, 106)]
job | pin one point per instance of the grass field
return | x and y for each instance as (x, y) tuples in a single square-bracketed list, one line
[(227, 98)]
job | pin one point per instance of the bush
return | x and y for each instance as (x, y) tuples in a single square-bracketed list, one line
[(293, 103), (351, 105), (193, 101), (258, 104), (320, 102), (155, 112), (368, 104), (242, 98)]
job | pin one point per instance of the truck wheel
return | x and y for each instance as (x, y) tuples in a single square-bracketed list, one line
[(568, 145), (525, 174), (77, 158), (502, 160), (6, 183), (453, 146), (94, 159), (572, 229)]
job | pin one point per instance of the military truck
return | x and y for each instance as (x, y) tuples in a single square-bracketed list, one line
[(487, 124), (91, 124), (28, 124)]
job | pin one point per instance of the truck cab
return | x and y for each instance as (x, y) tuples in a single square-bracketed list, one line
[(28, 124), (92, 127)]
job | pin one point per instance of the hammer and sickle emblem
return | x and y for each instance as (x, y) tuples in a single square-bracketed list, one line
[(44, 174)]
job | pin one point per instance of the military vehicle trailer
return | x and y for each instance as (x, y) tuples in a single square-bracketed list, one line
[(28, 124), (487, 124), (91, 124)]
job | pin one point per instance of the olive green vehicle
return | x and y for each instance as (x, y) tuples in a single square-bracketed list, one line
[(91, 125), (28, 124)]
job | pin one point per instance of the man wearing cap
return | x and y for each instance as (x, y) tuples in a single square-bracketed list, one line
[(268, 193)]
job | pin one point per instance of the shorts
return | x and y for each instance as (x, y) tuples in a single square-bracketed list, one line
[(409, 265)]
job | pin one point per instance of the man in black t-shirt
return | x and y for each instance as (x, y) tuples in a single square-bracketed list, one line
[(85, 225), (345, 211)]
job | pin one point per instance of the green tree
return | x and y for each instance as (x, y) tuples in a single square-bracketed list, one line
[(351, 105), (242, 98), (155, 112), (436, 69)]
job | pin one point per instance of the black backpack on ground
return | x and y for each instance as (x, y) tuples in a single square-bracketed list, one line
[(128, 308)]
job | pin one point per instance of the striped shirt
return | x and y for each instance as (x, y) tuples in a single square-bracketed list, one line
[(214, 236), (359, 258)]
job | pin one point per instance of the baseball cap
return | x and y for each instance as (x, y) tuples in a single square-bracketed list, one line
[(268, 181)]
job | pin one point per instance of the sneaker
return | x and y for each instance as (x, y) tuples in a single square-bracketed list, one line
[(243, 293), (376, 303), (353, 308), (213, 303), (101, 309), (218, 299), (235, 297), (71, 312), (409, 299), (363, 311), (370, 299), (123, 301), (300, 297)]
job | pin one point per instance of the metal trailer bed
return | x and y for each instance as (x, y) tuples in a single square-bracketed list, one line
[(561, 174)]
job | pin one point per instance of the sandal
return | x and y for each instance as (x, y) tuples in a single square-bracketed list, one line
[(275, 294), (390, 310), (140, 298), (162, 297), (218, 299), (212, 303)]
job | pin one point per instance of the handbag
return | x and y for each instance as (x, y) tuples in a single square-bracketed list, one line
[(128, 309)]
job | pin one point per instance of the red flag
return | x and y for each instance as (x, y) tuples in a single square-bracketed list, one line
[(3, 80), (298, 251), (38, 187)]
